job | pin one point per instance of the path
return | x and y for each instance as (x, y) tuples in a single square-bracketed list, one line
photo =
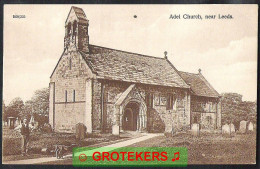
[(51, 159)]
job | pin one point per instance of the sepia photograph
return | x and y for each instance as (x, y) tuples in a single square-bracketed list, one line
[(129, 85)]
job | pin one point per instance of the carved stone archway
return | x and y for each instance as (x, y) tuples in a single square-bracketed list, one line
[(130, 95)]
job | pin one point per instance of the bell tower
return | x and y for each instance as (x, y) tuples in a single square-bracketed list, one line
[(76, 30)]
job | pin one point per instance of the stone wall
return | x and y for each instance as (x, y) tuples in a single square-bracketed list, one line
[(204, 111), (112, 92), (158, 118), (176, 119), (208, 121), (96, 114), (69, 77)]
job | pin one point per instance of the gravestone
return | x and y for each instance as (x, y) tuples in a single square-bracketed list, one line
[(250, 127), (242, 126), (195, 129), (168, 131), (232, 128), (115, 130), (17, 122), (80, 131), (226, 130)]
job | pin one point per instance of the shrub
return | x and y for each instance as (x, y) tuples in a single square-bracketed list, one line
[(12, 146), (46, 128)]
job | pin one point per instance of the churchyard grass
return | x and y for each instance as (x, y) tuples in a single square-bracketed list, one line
[(210, 148), (39, 140)]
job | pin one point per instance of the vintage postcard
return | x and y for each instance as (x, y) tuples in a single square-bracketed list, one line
[(129, 85)]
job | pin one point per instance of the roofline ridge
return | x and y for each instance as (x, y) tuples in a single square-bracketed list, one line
[(57, 63), (76, 7), (129, 52), (75, 13), (85, 59), (189, 72), (177, 72), (207, 83)]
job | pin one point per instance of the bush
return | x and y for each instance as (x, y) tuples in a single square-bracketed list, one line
[(12, 146), (46, 128), (41, 119)]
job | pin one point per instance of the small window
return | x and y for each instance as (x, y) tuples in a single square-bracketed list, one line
[(169, 105), (209, 120), (66, 96), (149, 99), (68, 29), (74, 28), (74, 95), (70, 63)]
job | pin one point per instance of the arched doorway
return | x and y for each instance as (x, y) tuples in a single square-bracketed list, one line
[(130, 116)]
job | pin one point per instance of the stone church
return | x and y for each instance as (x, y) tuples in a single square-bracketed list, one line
[(111, 90)]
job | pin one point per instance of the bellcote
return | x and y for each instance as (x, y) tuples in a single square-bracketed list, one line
[(76, 30)]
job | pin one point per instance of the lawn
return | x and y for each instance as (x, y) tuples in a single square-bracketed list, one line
[(210, 148), (38, 140)]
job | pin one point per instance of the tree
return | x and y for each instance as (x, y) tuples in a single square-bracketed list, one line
[(38, 106), (14, 109), (40, 102), (235, 110)]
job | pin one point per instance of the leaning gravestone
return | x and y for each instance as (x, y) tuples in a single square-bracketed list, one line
[(226, 130), (80, 131), (195, 129), (250, 127), (242, 127)]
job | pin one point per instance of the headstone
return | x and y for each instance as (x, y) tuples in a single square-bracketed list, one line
[(36, 124), (195, 129), (242, 126), (32, 120), (17, 122), (250, 127), (45, 151), (115, 130), (80, 131), (226, 130), (232, 128)]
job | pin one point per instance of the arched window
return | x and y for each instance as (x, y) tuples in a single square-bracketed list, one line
[(68, 29), (74, 27)]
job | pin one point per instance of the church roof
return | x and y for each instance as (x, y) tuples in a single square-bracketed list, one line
[(199, 85), (79, 13), (119, 65)]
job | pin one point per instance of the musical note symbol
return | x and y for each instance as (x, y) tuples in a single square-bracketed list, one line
[(178, 153)]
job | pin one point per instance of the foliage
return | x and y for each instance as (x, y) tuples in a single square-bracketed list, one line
[(46, 128), (235, 110), (41, 119), (39, 103), (37, 106), (14, 109)]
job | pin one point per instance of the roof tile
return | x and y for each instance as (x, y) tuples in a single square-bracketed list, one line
[(130, 67), (199, 84)]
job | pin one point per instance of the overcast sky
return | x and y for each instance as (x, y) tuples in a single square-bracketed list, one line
[(225, 50)]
